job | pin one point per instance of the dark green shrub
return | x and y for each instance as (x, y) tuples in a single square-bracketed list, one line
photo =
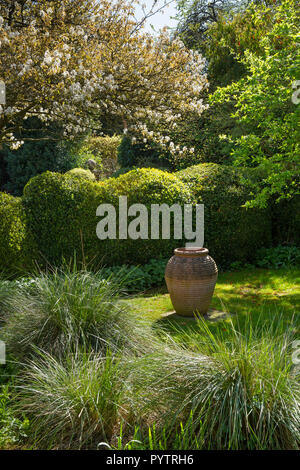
[(141, 154), (15, 245), (139, 278), (232, 233), (104, 151), (61, 214), (278, 257), (286, 221), (121, 171), (37, 156)]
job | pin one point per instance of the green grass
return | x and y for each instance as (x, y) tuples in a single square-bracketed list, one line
[(261, 294)]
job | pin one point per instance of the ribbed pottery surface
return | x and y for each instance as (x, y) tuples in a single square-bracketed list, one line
[(191, 277)]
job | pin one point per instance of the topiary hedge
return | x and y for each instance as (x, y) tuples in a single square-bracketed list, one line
[(81, 173), (16, 246), (56, 217), (232, 233), (104, 150), (61, 215)]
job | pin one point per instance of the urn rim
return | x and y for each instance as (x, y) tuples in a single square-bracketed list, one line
[(191, 251)]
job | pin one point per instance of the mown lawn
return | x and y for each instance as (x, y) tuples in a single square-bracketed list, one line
[(268, 296)]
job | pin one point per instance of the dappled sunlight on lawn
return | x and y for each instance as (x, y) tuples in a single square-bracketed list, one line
[(264, 295)]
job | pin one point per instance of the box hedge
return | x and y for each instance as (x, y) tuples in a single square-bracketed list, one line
[(61, 214), (56, 217), (232, 233), (16, 247)]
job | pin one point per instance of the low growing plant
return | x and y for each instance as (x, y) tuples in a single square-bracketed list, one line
[(62, 310), (73, 402)]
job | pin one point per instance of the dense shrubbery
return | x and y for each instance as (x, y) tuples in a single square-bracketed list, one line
[(61, 214), (104, 151), (37, 156), (231, 232), (57, 215), (12, 429), (141, 155), (82, 173), (14, 238)]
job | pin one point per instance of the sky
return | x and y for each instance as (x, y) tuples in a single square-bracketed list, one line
[(159, 20)]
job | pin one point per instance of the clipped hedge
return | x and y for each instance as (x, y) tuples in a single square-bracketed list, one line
[(232, 233), (61, 215), (56, 217), (104, 150)]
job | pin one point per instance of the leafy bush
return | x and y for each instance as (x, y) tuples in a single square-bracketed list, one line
[(232, 232), (12, 429), (104, 150), (36, 157), (139, 278), (66, 310), (61, 214), (81, 173), (16, 246), (141, 155), (278, 257)]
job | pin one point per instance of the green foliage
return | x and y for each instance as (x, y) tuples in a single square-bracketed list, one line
[(209, 385), (121, 171), (36, 156), (232, 232), (81, 173), (104, 151), (73, 402), (67, 310), (286, 221), (139, 278), (61, 214), (141, 154), (12, 429), (263, 102), (278, 257)]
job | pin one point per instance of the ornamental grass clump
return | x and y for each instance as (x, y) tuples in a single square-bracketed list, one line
[(70, 309), (241, 389)]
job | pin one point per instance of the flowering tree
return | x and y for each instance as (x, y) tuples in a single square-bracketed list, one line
[(82, 62)]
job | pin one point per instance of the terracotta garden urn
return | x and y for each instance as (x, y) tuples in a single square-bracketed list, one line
[(191, 276)]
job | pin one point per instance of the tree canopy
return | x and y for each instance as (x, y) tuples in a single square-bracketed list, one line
[(82, 62)]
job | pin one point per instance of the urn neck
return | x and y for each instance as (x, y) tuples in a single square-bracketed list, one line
[(191, 252)]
